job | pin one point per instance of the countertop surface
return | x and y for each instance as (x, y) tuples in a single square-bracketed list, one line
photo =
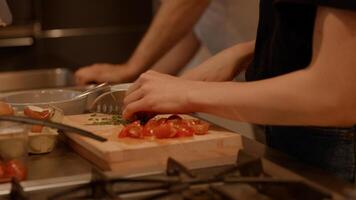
[(65, 167)]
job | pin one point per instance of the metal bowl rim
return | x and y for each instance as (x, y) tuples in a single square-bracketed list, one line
[(42, 103)]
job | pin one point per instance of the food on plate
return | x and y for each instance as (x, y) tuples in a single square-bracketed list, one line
[(43, 142), (171, 127), (13, 169), (35, 112), (43, 139), (6, 109)]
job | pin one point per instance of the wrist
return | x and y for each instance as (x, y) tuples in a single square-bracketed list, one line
[(196, 96)]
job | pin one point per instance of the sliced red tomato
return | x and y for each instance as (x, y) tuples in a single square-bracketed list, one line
[(181, 128), (185, 131), (44, 115), (200, 127), (149, 126), (134, 130), (171, 127), (165, 130), (2, 170), (36, 128), (16, 169)]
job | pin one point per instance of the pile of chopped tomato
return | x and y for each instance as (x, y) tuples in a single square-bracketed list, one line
[(12, 169), (171, 127), (41, 115)]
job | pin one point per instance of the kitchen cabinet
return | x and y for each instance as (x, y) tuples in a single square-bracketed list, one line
[(65, 33)]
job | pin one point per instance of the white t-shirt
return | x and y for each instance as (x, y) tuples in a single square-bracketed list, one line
[(227, 22)]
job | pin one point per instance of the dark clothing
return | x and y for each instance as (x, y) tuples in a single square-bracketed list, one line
[(284, 44)]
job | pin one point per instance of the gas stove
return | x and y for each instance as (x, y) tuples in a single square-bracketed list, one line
[(247, 179)]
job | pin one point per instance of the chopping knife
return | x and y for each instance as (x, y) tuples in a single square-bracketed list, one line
[(59, 126)]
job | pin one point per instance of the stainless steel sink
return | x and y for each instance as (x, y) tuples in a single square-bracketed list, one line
[(33, 79)]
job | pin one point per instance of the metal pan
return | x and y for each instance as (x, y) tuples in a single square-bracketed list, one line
[(61, 98)]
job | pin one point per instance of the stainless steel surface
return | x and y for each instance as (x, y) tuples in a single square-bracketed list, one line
[(61, 98), (112, 101), (61, 127), (34, 30), (76, 32), (32, 79), (58, 168), (17, 42), (98, 88)]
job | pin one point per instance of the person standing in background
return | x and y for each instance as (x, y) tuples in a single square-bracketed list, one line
[(172, 40), (5, 14)]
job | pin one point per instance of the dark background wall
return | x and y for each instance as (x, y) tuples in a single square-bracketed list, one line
[(71, 33)]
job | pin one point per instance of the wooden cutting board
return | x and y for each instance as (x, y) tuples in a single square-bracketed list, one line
[(128, 156)]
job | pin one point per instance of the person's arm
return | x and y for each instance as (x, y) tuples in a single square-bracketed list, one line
[(225, 65), (322, 94), (174, 20), (179, 56)]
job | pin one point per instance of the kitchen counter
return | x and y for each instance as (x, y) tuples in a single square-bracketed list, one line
[(63, 167), (60, 167)]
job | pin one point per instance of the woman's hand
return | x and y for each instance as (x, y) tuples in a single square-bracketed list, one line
[(159, 93), (103, 72)]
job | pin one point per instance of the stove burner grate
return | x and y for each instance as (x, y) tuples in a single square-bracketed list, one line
[(245, 180)]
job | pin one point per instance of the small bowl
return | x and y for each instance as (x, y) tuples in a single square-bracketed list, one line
[(61, 98)]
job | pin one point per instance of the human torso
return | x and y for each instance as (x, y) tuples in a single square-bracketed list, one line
[(289, 38), (227, 22)]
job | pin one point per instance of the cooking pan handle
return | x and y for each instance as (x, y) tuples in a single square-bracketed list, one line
[(59, 126)]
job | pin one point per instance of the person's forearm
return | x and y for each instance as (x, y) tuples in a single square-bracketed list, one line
[(298, 98), (225, 65), (179, 56), (174, 20), (238, 57)]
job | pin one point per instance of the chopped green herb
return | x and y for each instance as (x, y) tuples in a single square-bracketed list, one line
[(114, 120)]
